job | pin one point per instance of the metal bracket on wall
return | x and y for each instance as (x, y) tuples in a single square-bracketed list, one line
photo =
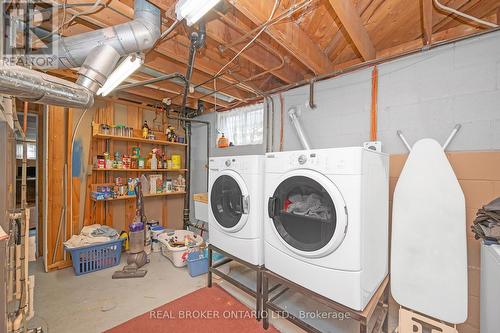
[(445, 145), (311, 95)]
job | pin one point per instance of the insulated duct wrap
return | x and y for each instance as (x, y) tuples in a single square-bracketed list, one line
[(38, 87), (95, 52), (137, 35)]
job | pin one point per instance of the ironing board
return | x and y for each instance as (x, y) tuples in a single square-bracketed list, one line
[(429, 249)]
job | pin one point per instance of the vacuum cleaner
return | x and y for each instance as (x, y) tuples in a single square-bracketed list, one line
[(137, 257)]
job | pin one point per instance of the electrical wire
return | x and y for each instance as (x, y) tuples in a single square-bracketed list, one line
[(276, 3), (459, 13), (93, 9)]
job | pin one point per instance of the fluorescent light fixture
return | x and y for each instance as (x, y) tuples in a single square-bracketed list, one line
[(193, 10), (129, 65)]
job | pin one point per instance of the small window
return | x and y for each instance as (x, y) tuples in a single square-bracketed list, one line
[(242, 126)]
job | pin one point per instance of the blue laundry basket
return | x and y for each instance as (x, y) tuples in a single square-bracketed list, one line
[(91, 258), (197, 263)]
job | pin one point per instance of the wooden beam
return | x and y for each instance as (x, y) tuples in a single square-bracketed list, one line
[(417, 44), (350, 19), (498, 15), (288, 34), (256, 54), (427, 8)]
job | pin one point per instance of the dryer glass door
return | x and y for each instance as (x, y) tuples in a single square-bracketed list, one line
[(303, 213), (227, 201)]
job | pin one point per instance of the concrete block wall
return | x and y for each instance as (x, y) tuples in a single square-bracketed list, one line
[(424, 95)]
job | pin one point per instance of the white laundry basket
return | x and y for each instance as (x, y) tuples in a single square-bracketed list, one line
[(178, 255)]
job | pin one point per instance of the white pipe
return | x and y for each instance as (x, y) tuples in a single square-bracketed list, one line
[(456, 12), (292, 113), (401, 136), (452, 135)]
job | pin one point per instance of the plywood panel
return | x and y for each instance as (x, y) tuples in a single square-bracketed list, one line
[(55, 175)]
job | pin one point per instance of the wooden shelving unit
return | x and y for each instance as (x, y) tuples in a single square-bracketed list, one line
[(108, 142), (141, 170), (125, 197), (137, 139)]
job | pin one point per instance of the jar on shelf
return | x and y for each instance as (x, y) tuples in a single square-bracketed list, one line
[(119, 129), (141, 163), (105, 129), (109, 164), (126, 161), (134, 162)]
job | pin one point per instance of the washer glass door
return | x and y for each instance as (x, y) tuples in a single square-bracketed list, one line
[(308, 214), (229, 202)]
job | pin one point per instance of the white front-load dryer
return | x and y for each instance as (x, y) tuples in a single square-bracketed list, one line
[(236, 205), (326, 221)]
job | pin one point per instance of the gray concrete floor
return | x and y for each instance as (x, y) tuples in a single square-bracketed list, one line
[(94, 302)]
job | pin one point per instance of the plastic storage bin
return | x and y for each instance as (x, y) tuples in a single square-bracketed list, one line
[(197, 263), (178, 255), (91, 258)]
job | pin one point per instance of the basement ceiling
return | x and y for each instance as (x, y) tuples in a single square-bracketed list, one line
[(305, 38)]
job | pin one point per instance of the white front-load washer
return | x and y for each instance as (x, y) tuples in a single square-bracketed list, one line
[(326, 221), (235, 206)]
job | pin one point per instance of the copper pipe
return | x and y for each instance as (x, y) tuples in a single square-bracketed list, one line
[(366, 64), (282, 125), (373, 114)]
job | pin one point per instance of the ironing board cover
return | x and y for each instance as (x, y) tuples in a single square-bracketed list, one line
[(429, 245)]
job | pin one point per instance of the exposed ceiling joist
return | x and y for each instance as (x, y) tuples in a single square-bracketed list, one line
[(256, 54), (351, 21), (108, 17), (175, 49), (288, 34), (427, 9)]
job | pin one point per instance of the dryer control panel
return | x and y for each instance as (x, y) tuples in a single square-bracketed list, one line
[(249, 164)]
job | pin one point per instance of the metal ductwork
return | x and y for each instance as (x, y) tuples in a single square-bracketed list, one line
[(38, 87), (96, 53), (138, 35)]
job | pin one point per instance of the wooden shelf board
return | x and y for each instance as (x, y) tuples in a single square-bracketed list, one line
[(136, 139), (140, 170), (145, 196)]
